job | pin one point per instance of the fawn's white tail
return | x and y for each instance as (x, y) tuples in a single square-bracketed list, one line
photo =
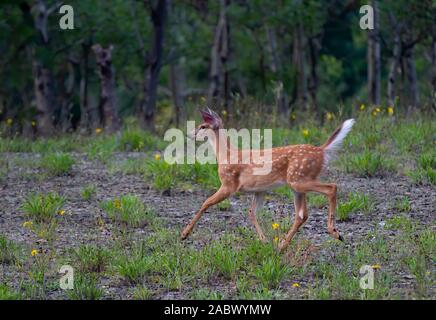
[(334, 143)]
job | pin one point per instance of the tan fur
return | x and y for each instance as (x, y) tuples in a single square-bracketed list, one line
[(297, 166)]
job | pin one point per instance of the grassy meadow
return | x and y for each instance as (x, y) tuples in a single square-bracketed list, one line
[(110, 206)]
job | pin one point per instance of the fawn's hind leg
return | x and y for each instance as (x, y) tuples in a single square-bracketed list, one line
[(217, 197), (255, 205), (329, 190), (301, 215)]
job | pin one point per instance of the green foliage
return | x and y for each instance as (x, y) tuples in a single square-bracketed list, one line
[(85, 287), (224, 205), (141, 292), (130, 210), (369, 164), (43, 208), (206, 294), (271, 271), (403, 205), (8, 250), (164, 176), (7, 293), (88, 192), (356, 202), (57, 164), (224, 258), (133, 139), (91, 258), (134, 264)]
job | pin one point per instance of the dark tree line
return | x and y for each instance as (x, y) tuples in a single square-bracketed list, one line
[(129, 57)]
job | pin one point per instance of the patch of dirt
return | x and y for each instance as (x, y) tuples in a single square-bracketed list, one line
[(81, 218)]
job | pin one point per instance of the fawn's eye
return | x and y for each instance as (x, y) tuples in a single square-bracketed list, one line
[(202, 127)]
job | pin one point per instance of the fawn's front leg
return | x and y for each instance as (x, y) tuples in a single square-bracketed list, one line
[(255, 205), (217, 197)]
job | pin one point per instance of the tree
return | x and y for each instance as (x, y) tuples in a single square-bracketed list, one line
[(374, 58), (153, 61), (107, 106)]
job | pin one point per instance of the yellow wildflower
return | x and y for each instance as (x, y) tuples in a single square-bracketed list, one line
[(203, 99), (157, 156), (276, 239), (27, 224), (9, 121), (390, 110), (376, 266), (224, 112), (295, 285), (362, 107), (33, 123), (275, 226), (98, 130), (293, 116), (117, 203), (329, 116), (305, 133), (61, 212), (377, 109), (374, 113), (34, 252)]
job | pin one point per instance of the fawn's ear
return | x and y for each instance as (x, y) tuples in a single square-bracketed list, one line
[(212, 118)]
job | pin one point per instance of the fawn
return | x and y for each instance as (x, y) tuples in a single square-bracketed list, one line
[(298, 166)]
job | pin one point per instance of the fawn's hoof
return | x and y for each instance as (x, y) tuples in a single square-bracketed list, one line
[(262, 238), (184, 235)]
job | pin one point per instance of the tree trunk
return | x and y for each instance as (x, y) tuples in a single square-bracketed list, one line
[(412, 77), (153, 64), (85, 113), (314, 48), (374, 61), (43, 82), (433, 69), (176, 83), (299, 63), (66, 91), (393, 69), (107, 105), (219, 80), (275, 67)]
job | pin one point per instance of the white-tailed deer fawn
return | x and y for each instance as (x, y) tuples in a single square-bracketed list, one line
[(298, 166)]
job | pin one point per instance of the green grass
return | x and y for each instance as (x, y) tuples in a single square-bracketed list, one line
[(130, 210), (57, 164), (134, 264), (224, 205), (163, 176), (88, 192), (8, 251), (131, 166), (425, 172), (43, 208), (6, 293), (271, 271), (403, 205), (368, 164), (91, 258), (357, 202), (206, 294), (85, 288), (224, 258), (141, 292)]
